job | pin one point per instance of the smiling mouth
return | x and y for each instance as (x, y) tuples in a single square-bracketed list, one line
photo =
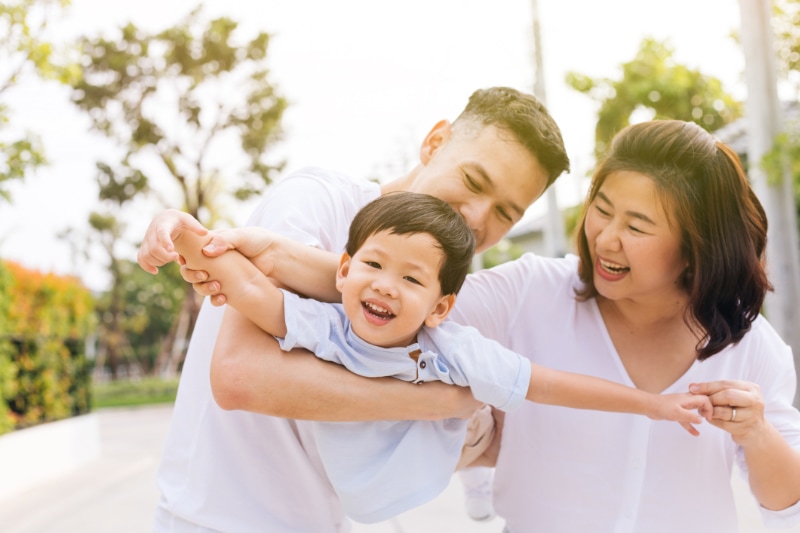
[(613, 268), (377, 311)]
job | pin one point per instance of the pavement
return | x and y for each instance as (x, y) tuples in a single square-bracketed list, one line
[(116, 492)]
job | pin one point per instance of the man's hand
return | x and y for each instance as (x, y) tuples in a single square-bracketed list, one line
[(157, 248), (257, 244)]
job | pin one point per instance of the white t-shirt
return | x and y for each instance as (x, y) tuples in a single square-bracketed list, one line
[(381, 469), (239, 472), (569, 470)]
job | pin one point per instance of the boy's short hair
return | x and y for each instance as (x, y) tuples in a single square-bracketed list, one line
[(524, 116), (405, 213)]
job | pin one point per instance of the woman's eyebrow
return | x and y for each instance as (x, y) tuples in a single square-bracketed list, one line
[(632, 214)]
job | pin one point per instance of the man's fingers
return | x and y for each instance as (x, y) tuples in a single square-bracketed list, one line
[(218, 246), (218, 300), (193, 276)]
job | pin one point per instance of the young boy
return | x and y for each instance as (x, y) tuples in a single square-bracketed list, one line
[(406, 258)]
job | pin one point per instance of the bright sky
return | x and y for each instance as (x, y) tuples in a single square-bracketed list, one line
[(366, 80)]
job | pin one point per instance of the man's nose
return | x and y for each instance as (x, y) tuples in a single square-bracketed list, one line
[(477, 214)]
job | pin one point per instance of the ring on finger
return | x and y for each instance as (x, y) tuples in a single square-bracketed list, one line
[(733, 414)]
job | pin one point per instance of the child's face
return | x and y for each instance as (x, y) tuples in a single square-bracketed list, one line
[(390, 288)]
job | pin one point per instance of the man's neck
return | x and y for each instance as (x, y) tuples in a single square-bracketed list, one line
[(402, 183)]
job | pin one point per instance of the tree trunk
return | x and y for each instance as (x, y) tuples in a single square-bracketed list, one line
[(173, 349)]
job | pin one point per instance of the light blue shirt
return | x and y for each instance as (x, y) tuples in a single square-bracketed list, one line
[(380, 469)]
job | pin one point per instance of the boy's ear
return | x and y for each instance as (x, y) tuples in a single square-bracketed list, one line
[(341, 272), (440, 310), (436, 138)]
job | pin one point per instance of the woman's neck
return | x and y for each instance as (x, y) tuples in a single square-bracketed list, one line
[(645, 316)]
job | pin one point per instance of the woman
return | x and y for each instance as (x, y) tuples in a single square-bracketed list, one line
[(665, 296)]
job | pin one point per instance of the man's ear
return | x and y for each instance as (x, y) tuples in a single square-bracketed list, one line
[(341, 272), (436, 138), (440, 310)]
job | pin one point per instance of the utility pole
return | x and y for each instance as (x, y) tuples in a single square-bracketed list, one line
[(763, 125), (554, 234)]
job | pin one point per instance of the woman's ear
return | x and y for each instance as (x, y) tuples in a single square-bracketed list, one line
[(440, 310), (341, 272), (436, 138)]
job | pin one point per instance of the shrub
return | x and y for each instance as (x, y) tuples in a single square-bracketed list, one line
[(44, 374)]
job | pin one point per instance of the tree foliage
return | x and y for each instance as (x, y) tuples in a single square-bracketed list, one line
[(785, 156), (655, 84), (194, 114), (786, 26), (43, 368), (174, 101), (24, 48)]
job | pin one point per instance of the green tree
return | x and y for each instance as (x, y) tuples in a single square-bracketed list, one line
[(786, 25), (24, 49), (185, 106), (786, 154), (653, 83)]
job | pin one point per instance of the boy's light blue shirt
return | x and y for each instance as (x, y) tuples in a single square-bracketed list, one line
[(380, 469)]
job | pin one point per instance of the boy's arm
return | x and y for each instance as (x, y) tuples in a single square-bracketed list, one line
[(304, 269), (250, 372), (248, 364), (555, 387), (248, 290)]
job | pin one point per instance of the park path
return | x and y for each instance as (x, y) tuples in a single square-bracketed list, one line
[(116, 493)]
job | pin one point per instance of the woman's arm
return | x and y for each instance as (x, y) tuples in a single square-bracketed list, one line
[(579, 391), (772, 464), (248, 365)]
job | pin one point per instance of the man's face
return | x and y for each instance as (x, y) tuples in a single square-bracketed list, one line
[(485, 174)]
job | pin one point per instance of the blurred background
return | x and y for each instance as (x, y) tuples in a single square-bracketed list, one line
[(112, 111)]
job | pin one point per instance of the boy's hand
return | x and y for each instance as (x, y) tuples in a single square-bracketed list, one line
[(157, 248), (685, 408)]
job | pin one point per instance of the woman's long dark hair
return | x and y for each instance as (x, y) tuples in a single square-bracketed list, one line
[(723, 225)]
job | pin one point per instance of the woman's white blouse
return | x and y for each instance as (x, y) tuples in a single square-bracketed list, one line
[(568, 470)]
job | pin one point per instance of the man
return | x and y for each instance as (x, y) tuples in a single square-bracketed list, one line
[(230, 463)]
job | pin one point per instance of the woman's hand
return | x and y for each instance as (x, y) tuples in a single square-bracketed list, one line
[(773, 465), (738, 408), (489, 457)]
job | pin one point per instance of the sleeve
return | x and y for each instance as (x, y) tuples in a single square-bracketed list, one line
[(495, 375), (487, 301), (492, 300), (311, 325), (311, 206), (774, 371)]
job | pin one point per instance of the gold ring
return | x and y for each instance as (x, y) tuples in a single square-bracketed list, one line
[(733, 414)]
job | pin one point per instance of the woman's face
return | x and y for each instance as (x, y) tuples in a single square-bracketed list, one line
[(635, 251)]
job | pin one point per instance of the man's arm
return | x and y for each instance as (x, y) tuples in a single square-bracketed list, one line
[(250, 372), (248, 290), (248, 363), (301, 268)]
